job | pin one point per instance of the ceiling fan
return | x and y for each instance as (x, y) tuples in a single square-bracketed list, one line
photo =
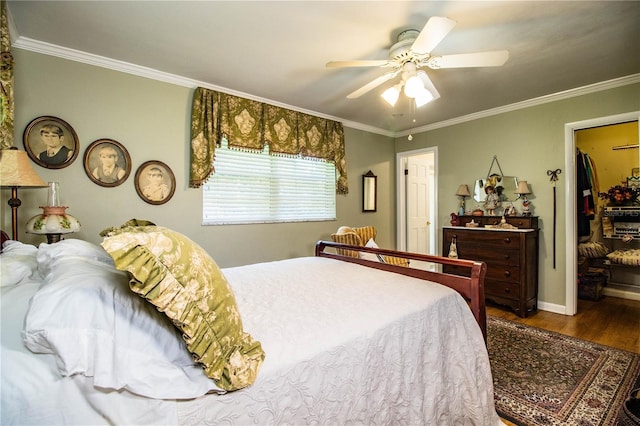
[(411, 52)]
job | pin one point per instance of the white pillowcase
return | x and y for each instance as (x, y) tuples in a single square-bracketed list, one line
[(49, 254), (17, 263), (371, 256), (88, 318)]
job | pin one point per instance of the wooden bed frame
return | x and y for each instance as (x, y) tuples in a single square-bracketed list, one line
[(470, 287)]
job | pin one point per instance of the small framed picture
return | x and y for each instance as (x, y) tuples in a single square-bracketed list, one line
[(51, 142), (155, 182), (633, 182), (635, 172), (107, 162)]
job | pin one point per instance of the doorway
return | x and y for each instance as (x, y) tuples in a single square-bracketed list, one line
[(416, 201), (571, 236)]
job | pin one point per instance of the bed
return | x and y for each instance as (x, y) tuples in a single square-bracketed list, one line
[(344, 341)]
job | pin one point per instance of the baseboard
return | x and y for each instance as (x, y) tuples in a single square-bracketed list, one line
[(621, 293), (552, 307)]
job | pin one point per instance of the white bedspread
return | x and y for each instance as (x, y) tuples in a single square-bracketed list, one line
[(344, 344)]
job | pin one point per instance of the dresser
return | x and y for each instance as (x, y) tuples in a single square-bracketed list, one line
[(511, 256)]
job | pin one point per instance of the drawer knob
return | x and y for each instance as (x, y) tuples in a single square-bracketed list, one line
[(507, 290), (506, 257), (507, 273), (507, 240)]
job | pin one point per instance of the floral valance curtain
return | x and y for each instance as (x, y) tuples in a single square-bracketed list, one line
[(6, 82), (250, 125)]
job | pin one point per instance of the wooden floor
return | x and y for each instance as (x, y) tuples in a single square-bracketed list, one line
[(610, 321)]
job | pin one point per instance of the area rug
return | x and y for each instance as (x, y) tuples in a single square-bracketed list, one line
[(545, 378)]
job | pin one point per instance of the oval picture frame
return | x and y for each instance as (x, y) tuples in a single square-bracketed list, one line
[(155, 182), (57, 133), (107, 163)]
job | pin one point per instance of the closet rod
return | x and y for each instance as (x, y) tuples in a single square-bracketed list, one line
[(624, 147)]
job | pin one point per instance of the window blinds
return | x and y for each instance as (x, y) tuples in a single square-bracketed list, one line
[(255, 187)]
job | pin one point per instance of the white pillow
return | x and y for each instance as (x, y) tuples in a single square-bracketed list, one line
[(17, 263), (371, 256), (49, 254), (86, 316)]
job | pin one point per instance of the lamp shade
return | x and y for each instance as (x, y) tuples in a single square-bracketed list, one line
[(523, 188), (463, 191), (54, 220), (16, 170)]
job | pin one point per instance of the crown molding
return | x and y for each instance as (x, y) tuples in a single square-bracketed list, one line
[(32, 45), (45, 48), (554, 97)]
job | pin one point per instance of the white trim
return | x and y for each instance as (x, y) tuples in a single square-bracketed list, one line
[(29, 44), (621, 293), (401, 197), (551, 307), (44, 48), (579, 91), (571, 293)]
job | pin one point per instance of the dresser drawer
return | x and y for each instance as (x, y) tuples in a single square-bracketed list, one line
[(491, 256), (503, 273), (508, 290), (496, 239)]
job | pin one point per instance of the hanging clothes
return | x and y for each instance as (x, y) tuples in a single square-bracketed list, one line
[(586, 181)]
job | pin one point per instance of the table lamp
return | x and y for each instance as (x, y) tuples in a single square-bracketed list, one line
[(53, 221), (462, 192), (16, 172), (522, 191)]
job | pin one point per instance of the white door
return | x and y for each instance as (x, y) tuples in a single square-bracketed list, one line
[(417, 192), (419, 177)]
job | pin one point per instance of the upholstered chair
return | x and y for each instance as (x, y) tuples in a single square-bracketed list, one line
[(360, 237)]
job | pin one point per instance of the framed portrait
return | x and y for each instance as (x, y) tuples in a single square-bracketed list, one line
[(51, 142), (155, 182), (107, 162)]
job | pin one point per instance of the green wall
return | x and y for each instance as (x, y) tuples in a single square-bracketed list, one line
[(527, 142), (151, 119)]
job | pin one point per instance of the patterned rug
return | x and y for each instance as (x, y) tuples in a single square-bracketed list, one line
[(546, 378)]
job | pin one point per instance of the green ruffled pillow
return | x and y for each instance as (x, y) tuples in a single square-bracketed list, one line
[(178, 277)]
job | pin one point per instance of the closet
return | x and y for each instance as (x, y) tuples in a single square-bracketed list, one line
[(608, 233)]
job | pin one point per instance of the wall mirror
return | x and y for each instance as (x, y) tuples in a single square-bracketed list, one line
[(505, 186), (369, 192), (506, 189)]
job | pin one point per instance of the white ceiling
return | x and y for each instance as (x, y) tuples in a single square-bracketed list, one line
[(276, 51)]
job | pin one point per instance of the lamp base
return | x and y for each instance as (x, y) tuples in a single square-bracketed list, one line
[(53, 238)]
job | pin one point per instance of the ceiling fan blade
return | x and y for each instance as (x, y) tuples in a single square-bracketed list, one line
[(341, 64), (372, 85), (433, 32), (494, 58)]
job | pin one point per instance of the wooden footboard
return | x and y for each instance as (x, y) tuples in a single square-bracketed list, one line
[(471, 288)]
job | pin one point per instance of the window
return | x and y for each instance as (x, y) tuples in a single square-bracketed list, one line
[(251, 187)]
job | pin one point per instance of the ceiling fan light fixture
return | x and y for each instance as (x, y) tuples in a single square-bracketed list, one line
[(423, 98), (392, 94), (413, 86)]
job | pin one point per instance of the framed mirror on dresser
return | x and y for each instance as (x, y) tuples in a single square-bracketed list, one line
[(510, 250)]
